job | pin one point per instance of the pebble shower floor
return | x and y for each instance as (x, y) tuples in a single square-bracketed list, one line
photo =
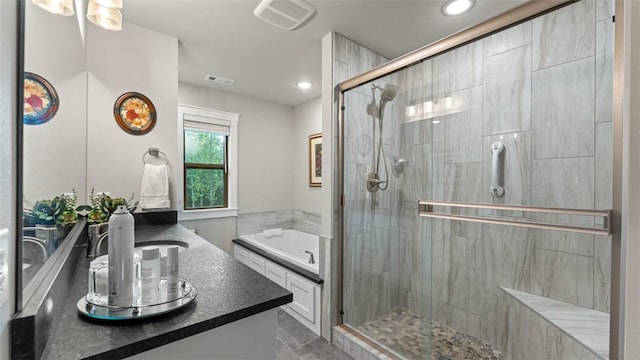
[(405, 332)]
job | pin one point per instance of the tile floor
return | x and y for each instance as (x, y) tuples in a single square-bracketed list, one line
[(296, 342), (410, 334)]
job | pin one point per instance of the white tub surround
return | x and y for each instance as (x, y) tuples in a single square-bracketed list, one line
[(284, 259)]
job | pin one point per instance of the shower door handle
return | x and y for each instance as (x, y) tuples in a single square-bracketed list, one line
[(497, 170)]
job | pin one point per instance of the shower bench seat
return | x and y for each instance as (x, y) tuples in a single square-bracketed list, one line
[(554, 329)]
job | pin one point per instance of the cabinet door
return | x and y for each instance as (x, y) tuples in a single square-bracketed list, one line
[(303, 296), (275, 273), (241, 254), (256, 262)]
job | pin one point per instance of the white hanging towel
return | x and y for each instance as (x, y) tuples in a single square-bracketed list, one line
[(155, 187)]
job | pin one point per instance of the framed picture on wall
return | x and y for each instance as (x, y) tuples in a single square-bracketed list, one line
[(315, 160), (134, 113), (40, 100)]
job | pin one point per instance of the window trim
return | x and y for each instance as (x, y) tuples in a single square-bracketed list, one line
[(215, 117)]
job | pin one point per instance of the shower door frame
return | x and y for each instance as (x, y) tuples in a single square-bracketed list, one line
[(520, 14)]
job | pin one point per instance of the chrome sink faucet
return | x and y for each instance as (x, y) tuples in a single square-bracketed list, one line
[(311, 259)]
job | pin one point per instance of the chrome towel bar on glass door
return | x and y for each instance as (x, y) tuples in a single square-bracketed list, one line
[(425, 208)]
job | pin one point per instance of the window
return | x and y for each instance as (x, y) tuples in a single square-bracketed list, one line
[(205, 165), (208, 140)]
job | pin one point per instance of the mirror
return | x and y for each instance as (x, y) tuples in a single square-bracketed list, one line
[(54, 142)]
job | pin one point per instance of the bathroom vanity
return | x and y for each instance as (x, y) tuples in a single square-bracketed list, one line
[(233, 316)]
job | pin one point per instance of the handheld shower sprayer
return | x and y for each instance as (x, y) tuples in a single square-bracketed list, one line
[(387, 94)]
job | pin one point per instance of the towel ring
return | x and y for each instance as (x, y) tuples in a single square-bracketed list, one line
[(155, 152)]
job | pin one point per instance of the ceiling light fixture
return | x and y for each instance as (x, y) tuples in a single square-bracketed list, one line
[(105, 14), (304, 85), (457, 7), (58, 7)]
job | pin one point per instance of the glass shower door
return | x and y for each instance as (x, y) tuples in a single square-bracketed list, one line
[(386, 247), (504, 145)]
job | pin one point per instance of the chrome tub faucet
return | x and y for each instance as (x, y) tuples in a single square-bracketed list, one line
[(311, 259)]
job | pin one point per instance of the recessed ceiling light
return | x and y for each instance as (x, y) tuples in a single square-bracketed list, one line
[(304, 85), (457, 7)]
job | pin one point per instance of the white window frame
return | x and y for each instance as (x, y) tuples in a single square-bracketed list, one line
[(219, 118)]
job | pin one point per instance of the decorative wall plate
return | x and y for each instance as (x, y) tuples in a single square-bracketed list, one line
[(135, 113), (40, 100)]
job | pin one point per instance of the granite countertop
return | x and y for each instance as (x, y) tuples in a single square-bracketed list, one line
[(227, 291)]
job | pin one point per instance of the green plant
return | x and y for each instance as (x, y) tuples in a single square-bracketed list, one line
[(59, 211), (103, 205), (44, 212)]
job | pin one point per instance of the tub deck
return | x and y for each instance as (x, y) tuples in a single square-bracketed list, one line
[(280, 261)]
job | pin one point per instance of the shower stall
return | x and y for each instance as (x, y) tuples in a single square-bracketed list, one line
[(473, 178)]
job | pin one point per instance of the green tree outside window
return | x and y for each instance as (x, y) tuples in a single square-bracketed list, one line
[(205, 157)]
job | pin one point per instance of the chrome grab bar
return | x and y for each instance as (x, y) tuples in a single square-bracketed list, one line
[(425, 208)]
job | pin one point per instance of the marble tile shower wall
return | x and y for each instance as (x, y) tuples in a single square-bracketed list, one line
[(252, 223), (544, 88), (372, 262)]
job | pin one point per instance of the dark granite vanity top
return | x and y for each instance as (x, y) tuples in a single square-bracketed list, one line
[(227, 291)]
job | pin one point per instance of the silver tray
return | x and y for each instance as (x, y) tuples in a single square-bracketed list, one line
[(103, 312)]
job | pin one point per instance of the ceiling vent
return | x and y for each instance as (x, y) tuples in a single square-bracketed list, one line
[(220, 80), (285, 14)]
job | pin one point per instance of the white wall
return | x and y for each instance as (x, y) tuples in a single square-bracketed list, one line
[(8, 116), (307, 120), (265, 145), (54, 160), (135, 59), (220, 231)]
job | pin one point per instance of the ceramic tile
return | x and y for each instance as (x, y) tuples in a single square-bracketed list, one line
[(463, 259), (564, 35), (602, 275), (604, 10), (458, 69), (571, 186), (507, 92), (604, 70), (494, 321), (358, 58), (507, 256), (252, 223), (563, 118), (463, 130), (306, 222), (463, 185), (604, 166), (457, 292), (511, 38), (417, 80), (563, 276), (579, 330)]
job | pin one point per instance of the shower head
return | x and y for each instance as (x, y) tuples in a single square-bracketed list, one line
[(389, 93)]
